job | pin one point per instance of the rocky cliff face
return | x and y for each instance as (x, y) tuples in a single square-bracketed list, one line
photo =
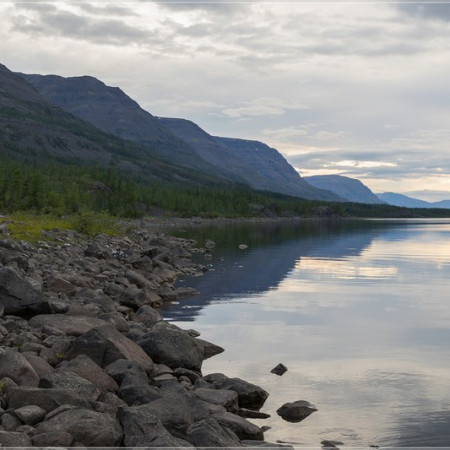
[(349, 189)]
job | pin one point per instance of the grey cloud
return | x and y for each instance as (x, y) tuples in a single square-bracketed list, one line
[(107, 10), (64, 23), (211, 6), (433, 11)]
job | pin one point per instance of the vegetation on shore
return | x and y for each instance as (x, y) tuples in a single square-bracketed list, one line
[(58, 190)]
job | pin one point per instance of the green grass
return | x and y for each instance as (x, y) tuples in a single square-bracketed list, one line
[(32, 228)]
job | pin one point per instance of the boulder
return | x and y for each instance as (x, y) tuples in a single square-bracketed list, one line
[(134, 392), (48, 399), (104, 345), (83, 366), (147, 315), (71, 325), (9, 422), (19, 297), (70, 381), (226, 398), (249, 395), (31, 414), (241, 427), (96, 250), (208, 433), (142, 428), (59, 285), (296, 411), (14, 439), (15, 366), (90, 428), (40, 365), (52, 439), (121, 368), (173, 347)]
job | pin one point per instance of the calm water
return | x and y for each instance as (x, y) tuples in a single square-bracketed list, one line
[(358, 312)]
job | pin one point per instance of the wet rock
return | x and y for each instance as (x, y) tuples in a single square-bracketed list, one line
[(90, 428), (327, 444), (104, 345), (16, 366), (209, 349), (208, 433), (18, 296), (296, 411), (279, 369), (83, 366), (249, 395), (71, 382), (31, 414), (249, 414), (167, 345), (70, 325)]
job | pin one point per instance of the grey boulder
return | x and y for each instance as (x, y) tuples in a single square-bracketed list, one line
[(90, 428), (208, 433), (104, 345), (19, 297), (249, 395), (15, 366)]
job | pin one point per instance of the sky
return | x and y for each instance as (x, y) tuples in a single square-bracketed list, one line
[(359, 89)]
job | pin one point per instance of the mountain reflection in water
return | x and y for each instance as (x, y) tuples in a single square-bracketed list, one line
[(357, 311)]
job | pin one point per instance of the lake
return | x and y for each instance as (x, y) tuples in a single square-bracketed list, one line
[(358, 311)]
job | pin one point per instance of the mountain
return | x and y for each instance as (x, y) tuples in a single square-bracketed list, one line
[(177, 140), (409, 202), (252, 162), (112, 111), (34, 130), (350, 189)]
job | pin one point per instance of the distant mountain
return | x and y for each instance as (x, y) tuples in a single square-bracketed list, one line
[(177, 140), (252, 162), (409, 202), (350, 189)]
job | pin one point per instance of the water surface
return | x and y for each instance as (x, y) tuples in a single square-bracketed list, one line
[(359, 313)]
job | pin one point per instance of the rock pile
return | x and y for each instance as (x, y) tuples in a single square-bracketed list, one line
[(86, 359)]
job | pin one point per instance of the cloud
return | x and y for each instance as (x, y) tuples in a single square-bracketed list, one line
[(439, 11), (264, 106)]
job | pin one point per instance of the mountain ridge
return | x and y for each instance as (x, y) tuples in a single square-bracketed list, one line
[(178, 140), (350, 189), (405, 201)]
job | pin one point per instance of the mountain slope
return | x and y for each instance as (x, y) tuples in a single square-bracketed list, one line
[(252, 162), (112, 111), (34, 130), (177, 140), (409, 202), (348, 188)]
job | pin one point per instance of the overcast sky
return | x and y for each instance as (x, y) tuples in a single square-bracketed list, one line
[(361, 89)]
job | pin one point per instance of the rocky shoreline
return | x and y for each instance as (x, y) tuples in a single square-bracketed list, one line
[(86, 359)]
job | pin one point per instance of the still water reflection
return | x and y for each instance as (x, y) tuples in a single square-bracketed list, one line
[(358, 312)]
